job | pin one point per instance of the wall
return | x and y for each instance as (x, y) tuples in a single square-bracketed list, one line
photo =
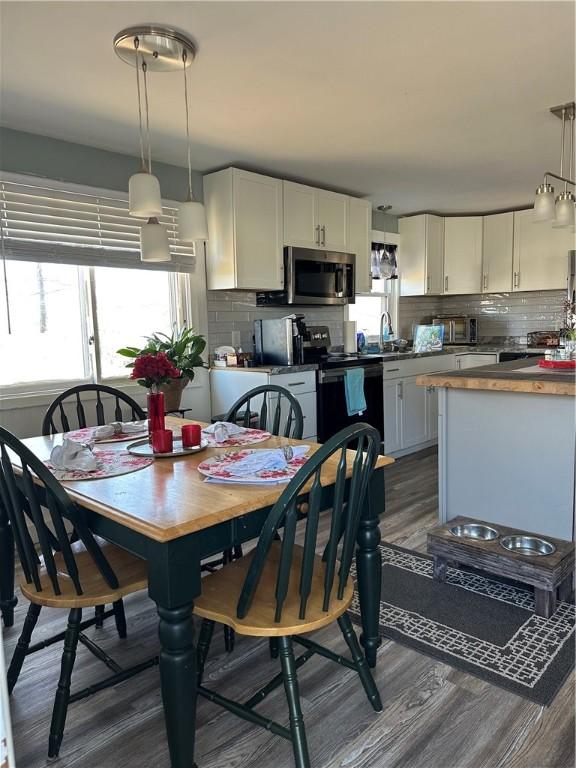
[(49, 158), (499, 314)]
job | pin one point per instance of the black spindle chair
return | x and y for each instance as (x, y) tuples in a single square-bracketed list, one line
[(278, 412), (283, 590), (68, 411), (63, 574), (71, 402)]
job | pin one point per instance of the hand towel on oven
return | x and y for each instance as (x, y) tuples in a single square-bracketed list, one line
[(354, 390)]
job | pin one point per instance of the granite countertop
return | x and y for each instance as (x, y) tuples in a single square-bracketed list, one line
[(505, 377), (270, 369)]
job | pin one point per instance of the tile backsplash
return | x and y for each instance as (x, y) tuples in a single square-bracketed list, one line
[(236, 311), (499, 314)]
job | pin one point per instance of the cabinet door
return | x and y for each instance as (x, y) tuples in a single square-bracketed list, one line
[(258, 231), (301, 227), (471, 360), (413, 407), (333, 220), (434, 254), (462, 254), (392, 425), (540, 254), (412, 255), (497, 252), (431, 413), (360, 241)]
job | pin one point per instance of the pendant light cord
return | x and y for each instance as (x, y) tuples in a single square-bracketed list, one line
[(189, 150), (144, 70), (136, 46), (562, 149)]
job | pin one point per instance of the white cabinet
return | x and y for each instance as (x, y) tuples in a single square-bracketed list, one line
[(360, 241), (315, 218), (244, 212), (431, 413), (413, 413), (474, 359), (392, 417), (420, 257), (497, 252), (540, 254), (462, 254)]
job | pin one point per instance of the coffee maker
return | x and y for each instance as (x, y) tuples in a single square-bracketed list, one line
[(280, 341)]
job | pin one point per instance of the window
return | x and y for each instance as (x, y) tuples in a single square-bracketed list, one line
[(67, 322), (368, 309)]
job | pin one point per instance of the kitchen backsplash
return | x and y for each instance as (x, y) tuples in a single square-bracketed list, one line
[(499, 314), (236, 311)]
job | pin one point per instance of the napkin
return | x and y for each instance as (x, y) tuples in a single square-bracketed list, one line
[(73, 455), (274, 458), (228, 426), (118, 428)]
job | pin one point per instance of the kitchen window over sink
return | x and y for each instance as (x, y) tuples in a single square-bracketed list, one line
[(368, 309)]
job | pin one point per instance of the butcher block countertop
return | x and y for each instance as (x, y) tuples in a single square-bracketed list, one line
[(514, 376)]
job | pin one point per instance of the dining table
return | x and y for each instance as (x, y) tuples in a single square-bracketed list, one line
[(169, 515)]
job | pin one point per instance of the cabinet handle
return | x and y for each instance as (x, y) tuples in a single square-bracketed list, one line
[(485, 283), (427, 283), (400, 391), (391, 370), (296, 383), (446, 283), (516, 279), (430, 388), (317, 228), (458, 363), (323, 235)]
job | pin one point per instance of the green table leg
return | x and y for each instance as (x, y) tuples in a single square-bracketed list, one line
[(369, 566), (7, 599)]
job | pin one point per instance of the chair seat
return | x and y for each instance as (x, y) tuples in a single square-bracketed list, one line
[(131, 572), (221, 590)]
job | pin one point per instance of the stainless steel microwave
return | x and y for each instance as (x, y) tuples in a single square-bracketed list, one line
[(314, 277), (458, 329)]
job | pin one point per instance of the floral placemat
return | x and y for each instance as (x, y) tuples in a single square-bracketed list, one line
[(217, 468), (111, 464), (246, 437), (87, 435)]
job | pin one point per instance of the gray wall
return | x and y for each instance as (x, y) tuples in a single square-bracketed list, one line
[(385, 222), (43, 156)]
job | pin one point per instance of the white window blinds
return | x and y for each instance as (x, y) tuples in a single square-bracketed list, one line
[(46, 221)]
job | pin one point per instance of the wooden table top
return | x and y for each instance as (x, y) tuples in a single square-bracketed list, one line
[(169, 498), (510, 376)]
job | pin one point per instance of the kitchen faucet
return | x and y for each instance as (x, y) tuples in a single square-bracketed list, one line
[(381, 343)]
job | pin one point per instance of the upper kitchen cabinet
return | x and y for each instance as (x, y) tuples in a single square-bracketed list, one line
[(463, 254), (497, 252), (360, 241), (315, 218), (421, 255), (540, 254), (245, 222)]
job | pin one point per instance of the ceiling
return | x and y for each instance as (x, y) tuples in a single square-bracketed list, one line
[(421, 105)]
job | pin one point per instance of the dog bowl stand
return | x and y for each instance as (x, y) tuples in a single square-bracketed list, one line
[(550, 575)]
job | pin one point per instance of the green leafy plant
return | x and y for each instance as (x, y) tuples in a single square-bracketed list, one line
[(183, 347)]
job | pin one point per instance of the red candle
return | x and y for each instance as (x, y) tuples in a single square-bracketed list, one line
[(162, 441), (191, 435)]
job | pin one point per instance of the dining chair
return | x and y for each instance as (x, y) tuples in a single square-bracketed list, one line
[(73, 401), (72, 575), (277, 411), (285, 590)]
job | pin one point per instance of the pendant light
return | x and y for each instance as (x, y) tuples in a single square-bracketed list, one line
[(192, 224), (559, 210), (144, 195)]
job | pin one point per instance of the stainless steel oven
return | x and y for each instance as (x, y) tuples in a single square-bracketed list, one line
[(314, 278)]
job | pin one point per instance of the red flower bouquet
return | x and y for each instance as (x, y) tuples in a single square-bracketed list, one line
[(154, 369)]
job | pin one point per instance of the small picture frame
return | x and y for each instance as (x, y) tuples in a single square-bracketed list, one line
[(428, 338)]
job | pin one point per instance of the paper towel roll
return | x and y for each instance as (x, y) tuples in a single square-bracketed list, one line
[(350, 336)]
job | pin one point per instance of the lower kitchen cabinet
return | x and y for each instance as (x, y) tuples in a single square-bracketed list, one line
[(410, 415), (392, 417)]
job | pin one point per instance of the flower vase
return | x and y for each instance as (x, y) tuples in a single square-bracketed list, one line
[(155, 412)]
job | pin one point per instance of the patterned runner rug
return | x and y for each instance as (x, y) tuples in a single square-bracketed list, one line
[(475, 622)]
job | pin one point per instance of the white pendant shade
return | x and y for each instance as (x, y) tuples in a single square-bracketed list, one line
[(564, 210), (544, 208), (144, 196), (192, 224), (154, 244)]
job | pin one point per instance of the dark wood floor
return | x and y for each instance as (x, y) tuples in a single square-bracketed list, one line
[(434, 716)]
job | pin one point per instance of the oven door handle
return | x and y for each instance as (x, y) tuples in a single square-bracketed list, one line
[(337, 374)]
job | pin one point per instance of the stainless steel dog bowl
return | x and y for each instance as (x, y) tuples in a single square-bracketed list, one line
[(528, 545), (474, 531)]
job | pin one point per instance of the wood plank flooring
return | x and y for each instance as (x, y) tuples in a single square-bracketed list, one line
[(434, 716)]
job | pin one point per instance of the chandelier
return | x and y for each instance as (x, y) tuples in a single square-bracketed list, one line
[(158, 49), (560, 209)]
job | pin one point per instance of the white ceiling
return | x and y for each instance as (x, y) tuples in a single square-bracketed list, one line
[(423, 105)]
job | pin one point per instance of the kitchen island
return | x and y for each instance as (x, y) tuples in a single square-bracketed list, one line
[(506, 446)]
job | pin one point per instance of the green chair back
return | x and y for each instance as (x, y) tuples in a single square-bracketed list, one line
[(279, 411)]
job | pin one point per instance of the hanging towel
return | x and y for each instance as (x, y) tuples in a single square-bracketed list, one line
[(354, 389)]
